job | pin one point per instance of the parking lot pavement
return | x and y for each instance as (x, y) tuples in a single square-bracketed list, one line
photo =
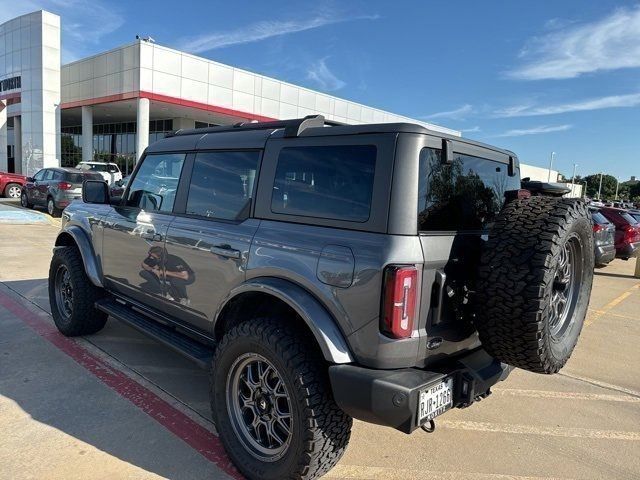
[(147, 416)]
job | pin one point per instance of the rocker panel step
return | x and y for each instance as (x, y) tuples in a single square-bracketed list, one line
[(169, 336)]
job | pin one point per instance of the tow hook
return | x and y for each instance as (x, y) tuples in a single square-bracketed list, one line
[(429, 426)]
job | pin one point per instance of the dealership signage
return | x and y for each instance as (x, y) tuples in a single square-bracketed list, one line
[(10, 84)]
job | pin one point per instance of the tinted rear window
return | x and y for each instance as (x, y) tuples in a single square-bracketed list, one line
[(333, 182), (464, 195), (599, 218)]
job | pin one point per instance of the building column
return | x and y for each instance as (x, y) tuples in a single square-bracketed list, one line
[(142, 127), (4, 159), (17, 137), (87, 134)]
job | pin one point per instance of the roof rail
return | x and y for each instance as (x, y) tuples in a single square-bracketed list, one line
[(292, 128)]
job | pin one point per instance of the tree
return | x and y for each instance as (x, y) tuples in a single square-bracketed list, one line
[(608, 186)]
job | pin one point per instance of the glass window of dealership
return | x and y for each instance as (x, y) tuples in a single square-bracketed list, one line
[(112, 105)]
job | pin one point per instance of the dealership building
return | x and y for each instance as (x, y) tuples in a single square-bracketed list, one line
[(110, 106)]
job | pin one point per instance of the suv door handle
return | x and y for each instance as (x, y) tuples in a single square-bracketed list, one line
[(225, 251)]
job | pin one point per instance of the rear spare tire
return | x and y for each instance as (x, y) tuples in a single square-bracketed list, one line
[(534, 282)]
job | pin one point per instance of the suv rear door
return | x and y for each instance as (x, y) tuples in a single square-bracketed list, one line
[(207, 245), (457, 202), (134, 232)]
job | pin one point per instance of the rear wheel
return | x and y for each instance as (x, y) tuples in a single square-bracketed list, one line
[(272, 403), (51, 208), (12, 190), (24, 200), (72, 295), (535, 282)]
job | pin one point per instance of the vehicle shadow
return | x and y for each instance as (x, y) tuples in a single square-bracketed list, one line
[(55, 391), (615, 275)]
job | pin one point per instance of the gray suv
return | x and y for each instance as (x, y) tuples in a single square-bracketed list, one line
[(325, 272)]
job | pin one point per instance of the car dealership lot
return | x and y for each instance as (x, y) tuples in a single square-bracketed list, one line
[(118, 405)]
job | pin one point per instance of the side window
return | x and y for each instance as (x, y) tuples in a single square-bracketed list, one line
[(48, 175), (465, 195), (39, 175), (154, 186), (222, 184), (333, 182), (58, 175)]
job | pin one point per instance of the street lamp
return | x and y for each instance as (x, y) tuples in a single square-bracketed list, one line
[(600, 187), (553, 154), (584, 192), (617, 185), (573, 179)]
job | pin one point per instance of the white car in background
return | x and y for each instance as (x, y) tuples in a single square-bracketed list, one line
[(109, 171)]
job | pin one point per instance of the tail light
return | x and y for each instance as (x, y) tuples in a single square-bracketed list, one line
[(597, 228), (65, 186), (399, 300), (631, 234)]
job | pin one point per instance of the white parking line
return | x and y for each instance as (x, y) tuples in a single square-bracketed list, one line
[(570, 432), (516, 392), (361, 472)]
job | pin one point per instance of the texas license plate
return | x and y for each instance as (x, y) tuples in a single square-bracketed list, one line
[(435, 400)]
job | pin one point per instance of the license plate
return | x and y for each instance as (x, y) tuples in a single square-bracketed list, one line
[(435, 400)]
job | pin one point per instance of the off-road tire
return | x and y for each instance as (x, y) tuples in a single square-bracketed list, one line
[(85, 319), (24, 200), (9, 188), (320, 429), (518, 274)]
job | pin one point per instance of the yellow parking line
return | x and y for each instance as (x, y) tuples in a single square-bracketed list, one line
[(613, 303), (362, 472), (516, 392), (569, 432)]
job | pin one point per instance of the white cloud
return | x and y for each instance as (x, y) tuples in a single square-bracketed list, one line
[(458, 114), (324, 78), (471, 129), (610, 43), (535, 130), (263, 30), (611, 101)]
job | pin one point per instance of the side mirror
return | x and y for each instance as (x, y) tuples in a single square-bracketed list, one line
[(95, 191)]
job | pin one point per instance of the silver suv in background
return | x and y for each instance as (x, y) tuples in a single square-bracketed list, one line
[(54, 188)]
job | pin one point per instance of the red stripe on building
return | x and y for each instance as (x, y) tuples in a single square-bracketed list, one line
[(167, 99), (193, 434)]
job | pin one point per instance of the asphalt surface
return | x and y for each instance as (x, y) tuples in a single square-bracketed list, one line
[(118, 405)]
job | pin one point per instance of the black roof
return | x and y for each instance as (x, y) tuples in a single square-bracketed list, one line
[(257, 133)]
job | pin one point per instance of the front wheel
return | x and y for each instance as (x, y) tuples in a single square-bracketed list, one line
[(24, 200), (272, 403), (72, 295)]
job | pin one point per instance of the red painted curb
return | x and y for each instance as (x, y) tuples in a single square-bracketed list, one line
[(193, 434)]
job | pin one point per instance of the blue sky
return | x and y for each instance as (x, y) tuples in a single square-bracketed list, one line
[(534, 77)]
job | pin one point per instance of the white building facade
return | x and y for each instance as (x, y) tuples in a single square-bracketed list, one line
[(111, 105)]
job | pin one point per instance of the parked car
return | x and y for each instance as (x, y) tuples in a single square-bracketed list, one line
[(11, 184), (627, 231), (325, 272), (117, 188), (109, 171), (54, 188), (635, 213), (604, 238)]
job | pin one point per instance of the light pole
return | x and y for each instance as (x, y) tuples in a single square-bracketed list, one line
[(553, 154), (600, 187), (617, 185), (584, 192), (573, 179)]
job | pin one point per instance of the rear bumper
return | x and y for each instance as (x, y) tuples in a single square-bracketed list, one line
[(605, 254), (390, 397), (628, 250)]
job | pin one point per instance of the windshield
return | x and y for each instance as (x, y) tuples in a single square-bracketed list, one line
[(81, 177)]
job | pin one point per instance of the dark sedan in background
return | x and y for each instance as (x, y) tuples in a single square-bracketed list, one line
[(54, 188)]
